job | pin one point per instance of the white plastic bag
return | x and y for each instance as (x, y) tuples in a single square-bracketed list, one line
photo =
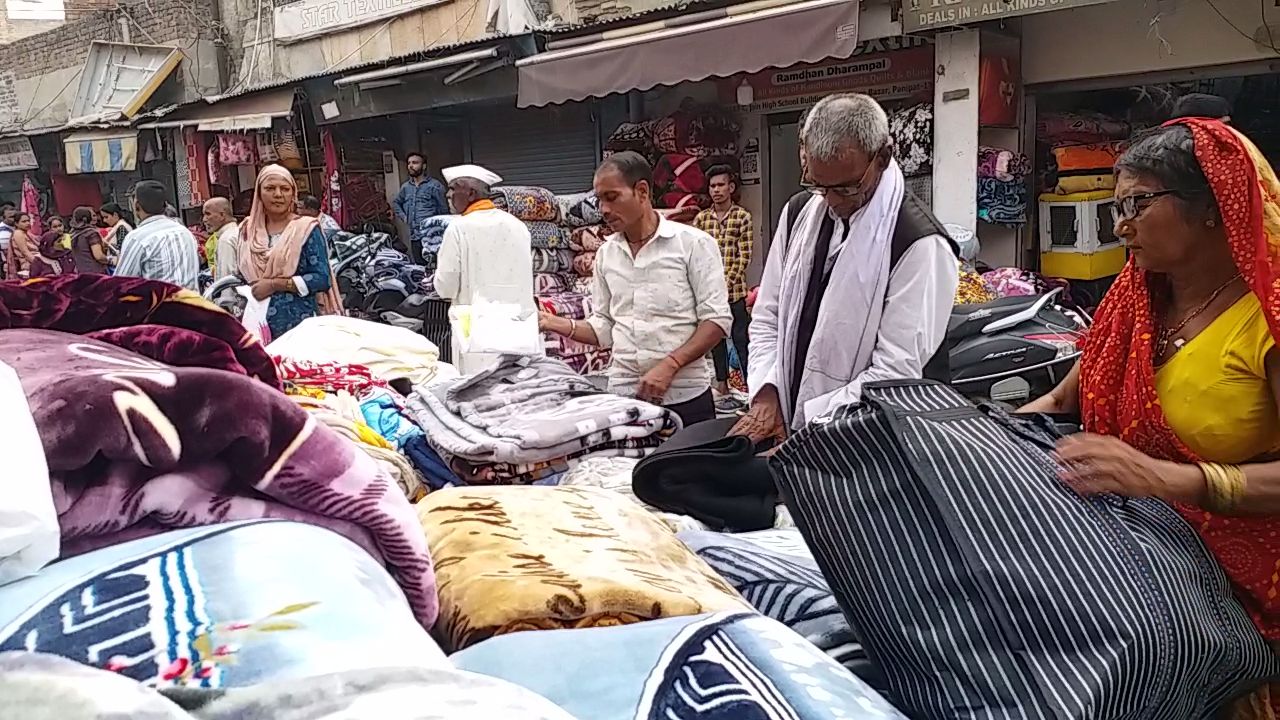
[(255, 314), (29, 534), (497, 328)]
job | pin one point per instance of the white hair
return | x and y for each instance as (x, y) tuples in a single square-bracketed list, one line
[(839, 123)]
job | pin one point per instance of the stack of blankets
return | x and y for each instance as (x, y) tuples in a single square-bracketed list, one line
[(1080, 151), (434, 228), (527, 420), (1002, 186), (565, 232)]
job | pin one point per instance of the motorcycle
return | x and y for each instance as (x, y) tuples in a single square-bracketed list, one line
[(1014, 349)]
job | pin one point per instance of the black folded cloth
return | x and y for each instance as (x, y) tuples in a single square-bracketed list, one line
[(716, 479)]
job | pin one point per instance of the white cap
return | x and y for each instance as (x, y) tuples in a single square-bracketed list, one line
[(470, 171)]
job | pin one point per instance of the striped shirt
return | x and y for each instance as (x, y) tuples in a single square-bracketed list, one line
[(160, 248)]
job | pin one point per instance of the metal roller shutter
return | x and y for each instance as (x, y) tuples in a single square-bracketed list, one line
[(552, 147)]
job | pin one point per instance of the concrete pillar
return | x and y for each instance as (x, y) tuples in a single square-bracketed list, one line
[(955, 128)]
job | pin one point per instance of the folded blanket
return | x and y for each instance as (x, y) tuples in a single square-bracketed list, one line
[(716, 479), (593, 362), (143, 316), (552, 261), (527, 409), (1002, 164), (538, 558), (579, 209), (1081, 127), (550, 283), (775, 571), (527, 203), (136, 447), (582, 285), (351, 425), (527, 473), (1003, 203), (433, 233), (588, 239), (224, 605), (49, 687), (543, 234), (326, 376), (722, 666), (391, 353), (584, 264)]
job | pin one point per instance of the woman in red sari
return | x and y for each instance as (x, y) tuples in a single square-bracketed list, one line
[(1179, 383)]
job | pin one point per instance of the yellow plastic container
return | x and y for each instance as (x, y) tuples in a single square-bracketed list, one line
[(1083, 266)]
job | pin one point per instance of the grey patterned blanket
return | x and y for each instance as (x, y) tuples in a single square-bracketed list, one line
[(528, 410)]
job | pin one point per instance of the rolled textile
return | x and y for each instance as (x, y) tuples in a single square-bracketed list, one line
[(527, 203), (580, 209), (551, 283), (226, 605), (588, 239), (613, 563), (433, 232), (1079, 127), (584, 264), (201, 446), (1002, 203), (543, 234), (705, 474), (582, 285), (729, 665), (552, 261), (575, 306)]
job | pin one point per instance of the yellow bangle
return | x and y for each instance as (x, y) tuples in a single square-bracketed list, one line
[(1225, 485)]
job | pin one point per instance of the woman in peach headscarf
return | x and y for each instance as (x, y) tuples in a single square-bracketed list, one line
[(283, 255)]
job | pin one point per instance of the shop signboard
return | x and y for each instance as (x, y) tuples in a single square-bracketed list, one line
[(304, 19), (16, 154), (920, 15), (884, 69)]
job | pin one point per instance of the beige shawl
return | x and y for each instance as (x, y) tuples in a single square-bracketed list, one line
[(258, 259)]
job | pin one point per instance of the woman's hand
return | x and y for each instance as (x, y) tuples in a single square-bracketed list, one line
[(1102, 464), (265, 288)]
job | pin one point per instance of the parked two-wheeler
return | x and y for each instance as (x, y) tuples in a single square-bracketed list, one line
[(1014, 349)]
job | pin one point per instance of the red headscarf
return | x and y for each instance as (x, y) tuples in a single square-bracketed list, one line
[(1117, 372)]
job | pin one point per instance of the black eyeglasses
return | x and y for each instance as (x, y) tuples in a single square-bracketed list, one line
[(1129, 208), (845, 190)]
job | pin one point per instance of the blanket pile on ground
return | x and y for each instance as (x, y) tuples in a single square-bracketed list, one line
[(135, 447), (532, 410)]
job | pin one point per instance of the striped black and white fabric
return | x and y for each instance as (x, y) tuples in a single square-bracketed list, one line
[(985, 588)]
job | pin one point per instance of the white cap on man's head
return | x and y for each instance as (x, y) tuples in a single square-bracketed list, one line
[(457, 172)]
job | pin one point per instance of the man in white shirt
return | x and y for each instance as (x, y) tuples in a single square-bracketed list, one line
[(859, 283), (659, 298), (486, 255), (226, 247), (159, 248)]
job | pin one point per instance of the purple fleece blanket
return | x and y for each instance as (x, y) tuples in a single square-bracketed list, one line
[(136, 447)]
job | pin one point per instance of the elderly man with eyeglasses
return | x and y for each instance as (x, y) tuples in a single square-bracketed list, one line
[(859, 282)]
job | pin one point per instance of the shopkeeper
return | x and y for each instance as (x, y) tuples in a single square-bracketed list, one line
[(659, 297)]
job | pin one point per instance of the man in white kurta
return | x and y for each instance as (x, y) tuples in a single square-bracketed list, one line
[(486, 255)]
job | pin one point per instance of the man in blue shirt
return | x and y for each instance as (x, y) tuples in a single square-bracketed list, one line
[(421, 197)]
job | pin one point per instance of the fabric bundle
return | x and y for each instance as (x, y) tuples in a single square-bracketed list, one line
[(546, 235), (700, 130), (588, 239), (390, 353), (580, 209), (1001, 202), (1001, 164), (527, 203), (592, 362), (1067, 128), (584, 264), (550, 283), (973, 289), (433, 233), (552, 261), (925, 513), (912, 132), (1084, 168), (612, 563), (528, 410)]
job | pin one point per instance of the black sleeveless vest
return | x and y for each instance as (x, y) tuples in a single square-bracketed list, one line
[(914, 222)]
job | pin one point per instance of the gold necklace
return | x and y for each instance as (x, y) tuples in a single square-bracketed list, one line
[(1167, 334)]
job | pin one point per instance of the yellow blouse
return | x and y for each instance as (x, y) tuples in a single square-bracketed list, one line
[(1214, 391)]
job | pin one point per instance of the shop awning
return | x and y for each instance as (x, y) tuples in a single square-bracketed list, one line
[(741, 42), (94, 151), (243, 112)]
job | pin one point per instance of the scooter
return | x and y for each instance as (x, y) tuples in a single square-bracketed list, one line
[(1014, 349)]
